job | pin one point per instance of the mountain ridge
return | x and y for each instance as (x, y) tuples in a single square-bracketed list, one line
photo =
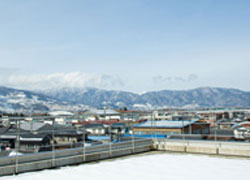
[(73, 99), (24, 101), (171, 98)]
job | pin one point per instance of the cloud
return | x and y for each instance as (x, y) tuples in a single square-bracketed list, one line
[(5, 72), (168, 79), (160, 79), (60, 80), (192, 77)]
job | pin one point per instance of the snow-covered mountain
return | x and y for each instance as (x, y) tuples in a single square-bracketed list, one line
[(200, 97), (22, 101), (94, 97), (75, 99)]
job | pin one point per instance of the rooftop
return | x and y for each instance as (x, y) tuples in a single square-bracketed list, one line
[(166, 124), (105, 112)]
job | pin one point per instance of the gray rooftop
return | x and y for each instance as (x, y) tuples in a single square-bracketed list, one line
[(105, 112), (166, 124), (32, 126)]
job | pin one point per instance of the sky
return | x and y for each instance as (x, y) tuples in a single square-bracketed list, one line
[(132, 45)]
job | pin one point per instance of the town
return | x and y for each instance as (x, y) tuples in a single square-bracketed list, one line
[(64, 130)]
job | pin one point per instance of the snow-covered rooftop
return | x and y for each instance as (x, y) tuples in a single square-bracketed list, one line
[(166, 123), (60, 113), (104, 111), (32, 126)]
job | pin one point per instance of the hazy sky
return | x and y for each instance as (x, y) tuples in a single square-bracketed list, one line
[(133, 45)]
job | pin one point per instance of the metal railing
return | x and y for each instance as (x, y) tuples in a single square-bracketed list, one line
[(79, 149), (70, 156)]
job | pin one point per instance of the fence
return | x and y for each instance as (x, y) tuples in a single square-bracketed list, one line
[(47, 145), (57, 158), (204, 147)]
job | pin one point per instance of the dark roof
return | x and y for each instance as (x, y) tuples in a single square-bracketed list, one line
[(225, 132), (223, 120), (94, 125), (4, 129), (119, 125), (34, 137), (187, 136), (47, 129)]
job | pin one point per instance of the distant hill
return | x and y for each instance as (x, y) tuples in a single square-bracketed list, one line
[(13, 100), (22, 101), (94, 97), (200, 97)]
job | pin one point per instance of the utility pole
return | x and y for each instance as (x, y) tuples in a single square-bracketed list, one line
[(133, 138), (110, 135), (183, 130), (53, 142), (83, 145), (17, 145)]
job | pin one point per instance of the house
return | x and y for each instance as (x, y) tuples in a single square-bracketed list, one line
[(221, 134), (242, 131), (224, 124), (62, 117), (30, 142), (26, 141), (68, 137), (167, 127), (6, 142), (95, 128), (106, 114), (245, 124), (39, 136), (119, 128)]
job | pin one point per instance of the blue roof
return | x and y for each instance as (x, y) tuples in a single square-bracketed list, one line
[(99, 138)]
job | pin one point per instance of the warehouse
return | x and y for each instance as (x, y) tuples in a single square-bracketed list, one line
[(168, 127)]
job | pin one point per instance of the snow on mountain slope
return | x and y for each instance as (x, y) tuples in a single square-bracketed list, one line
[(21, 101), (82, 98), (200, 97)]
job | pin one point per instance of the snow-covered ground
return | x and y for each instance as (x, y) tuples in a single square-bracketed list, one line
[(151, 166)]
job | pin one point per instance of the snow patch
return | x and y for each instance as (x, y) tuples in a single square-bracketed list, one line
[(147, 167)]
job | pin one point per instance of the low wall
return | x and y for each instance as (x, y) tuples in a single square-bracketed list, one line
[(204, 147), (46, 160)]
